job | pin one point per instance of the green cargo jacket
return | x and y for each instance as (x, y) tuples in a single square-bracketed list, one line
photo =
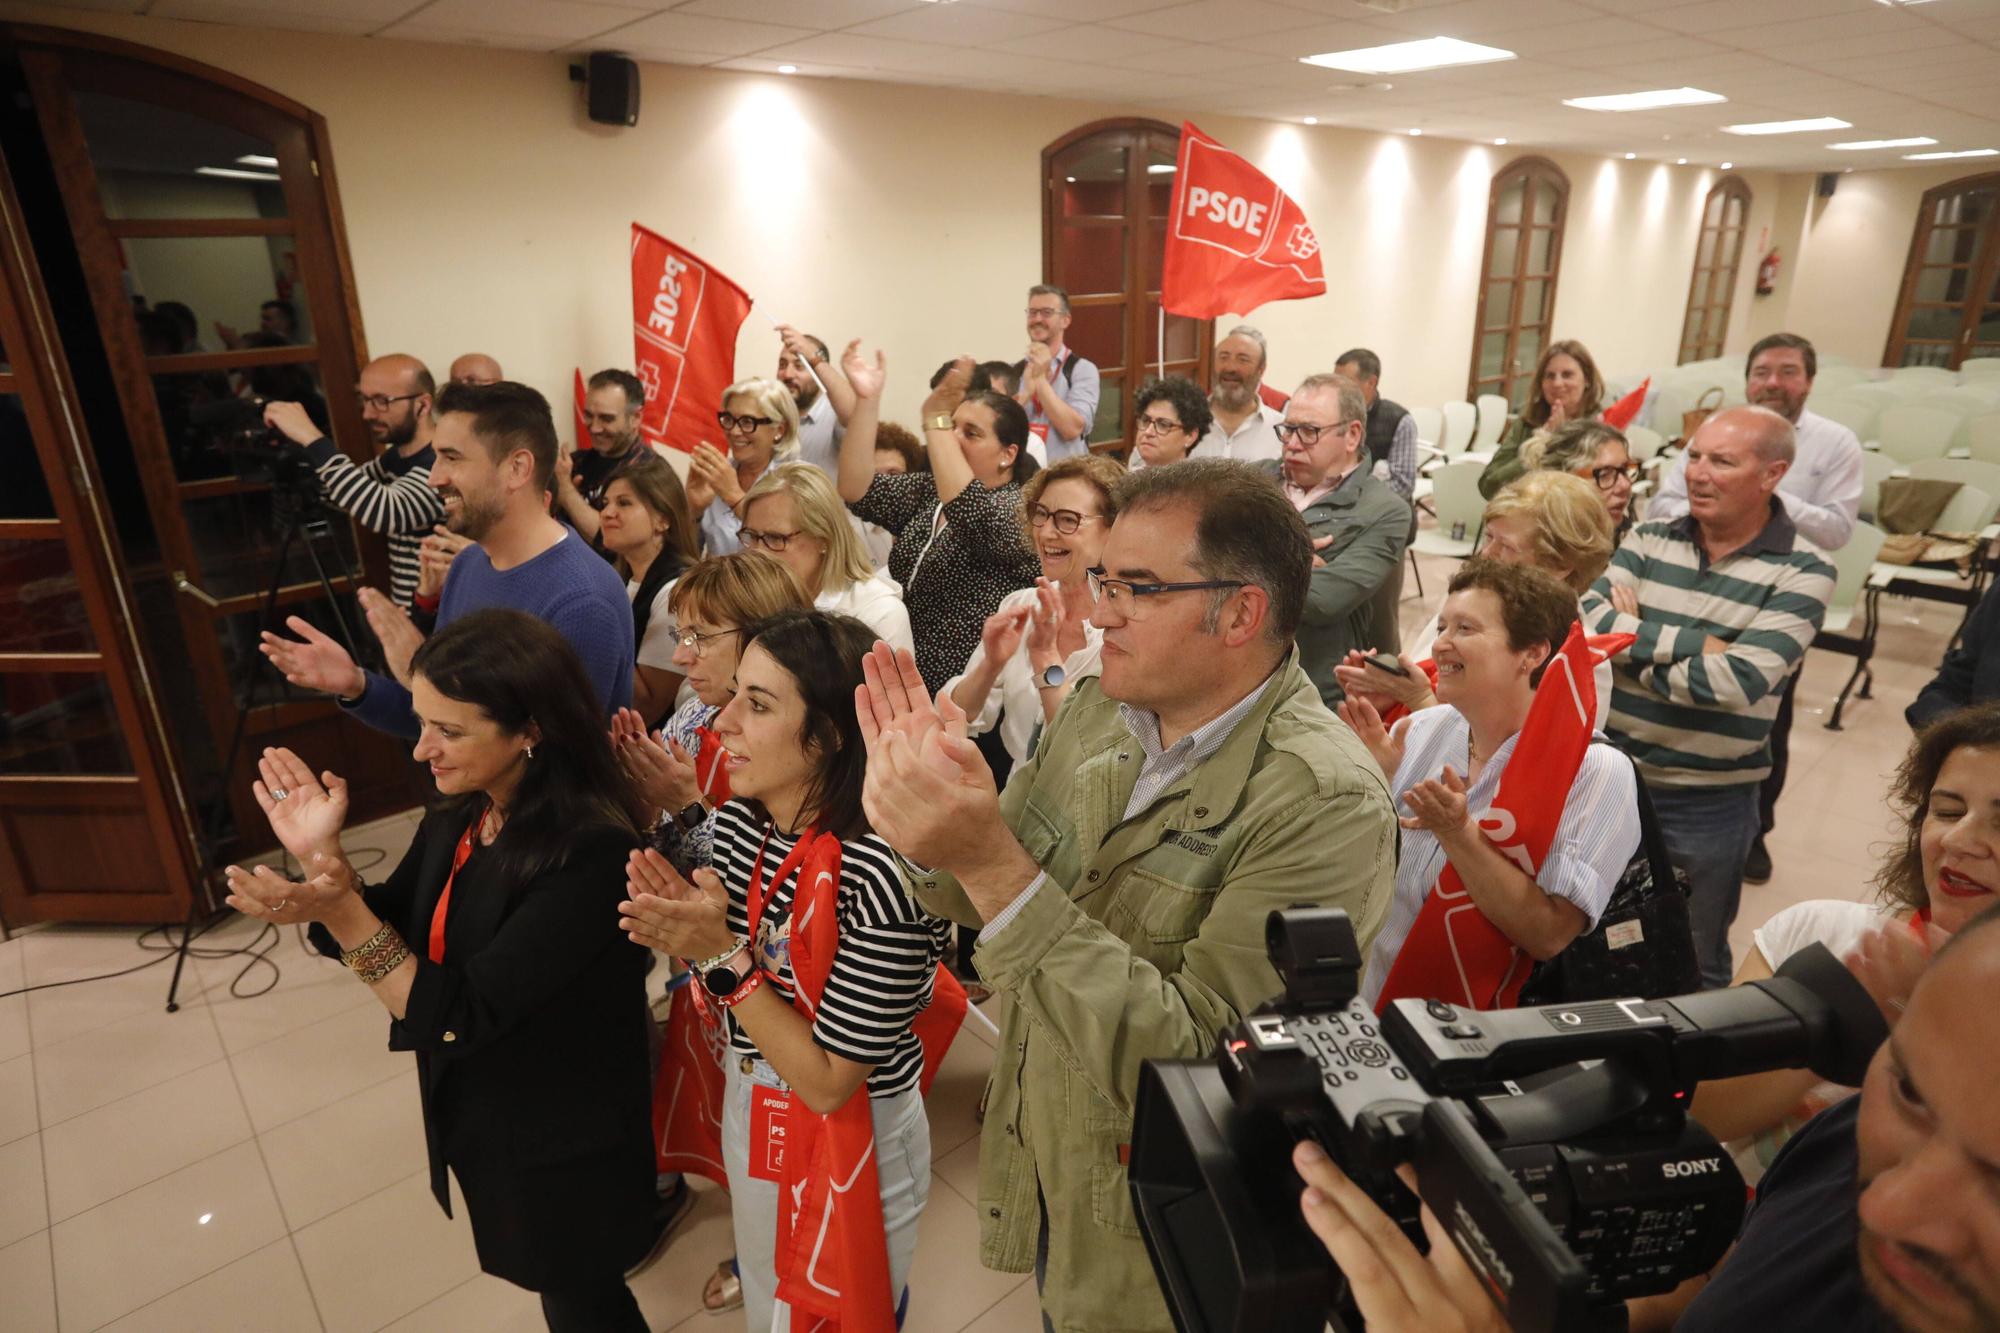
[(1145, 941), (1352, 599)]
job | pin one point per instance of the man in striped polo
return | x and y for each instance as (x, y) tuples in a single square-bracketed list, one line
[(1725, 600), (391, 492)]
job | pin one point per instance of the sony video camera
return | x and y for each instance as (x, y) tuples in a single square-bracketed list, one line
[(259, 452), (1553, 1143)]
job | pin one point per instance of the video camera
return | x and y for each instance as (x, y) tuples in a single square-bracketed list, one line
[(237, 426), (1552, 1143)]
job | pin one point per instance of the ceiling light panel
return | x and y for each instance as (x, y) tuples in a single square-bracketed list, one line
[(1790, 126), (1963, 152), (1645, 101), (1860, 145), (1409, 57)]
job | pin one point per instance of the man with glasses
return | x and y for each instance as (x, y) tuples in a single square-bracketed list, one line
[(1821, 493), (1360, 527), (1243, 421), (391, 492), (613, 400), (1189, 784), (1058, 387)]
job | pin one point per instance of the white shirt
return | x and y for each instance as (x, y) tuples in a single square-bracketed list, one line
[(1251, 442), (1015, 701), (1821, 491), (657, 648), (1594, 841), (877, 603), (820, 433)]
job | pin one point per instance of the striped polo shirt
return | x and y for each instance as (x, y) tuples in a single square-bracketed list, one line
[(1704, 720)]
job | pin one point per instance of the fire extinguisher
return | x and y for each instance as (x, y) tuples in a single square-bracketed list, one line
[(1767, 274)]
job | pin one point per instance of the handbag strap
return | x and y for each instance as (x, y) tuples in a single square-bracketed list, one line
[(1651, 840)]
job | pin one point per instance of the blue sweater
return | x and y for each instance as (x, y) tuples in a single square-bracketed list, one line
[(569, 585)]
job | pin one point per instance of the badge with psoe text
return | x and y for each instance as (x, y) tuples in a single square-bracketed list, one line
[(770, 1109)]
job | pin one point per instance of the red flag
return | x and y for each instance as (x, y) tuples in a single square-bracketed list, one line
[(1619, 415), (1453, 953), (582, 414), (687, 1095), (1237, 240), (684, 321)]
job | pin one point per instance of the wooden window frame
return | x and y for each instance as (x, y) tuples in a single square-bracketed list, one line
[(1712, 286), (1535, 172), (1982, 270)]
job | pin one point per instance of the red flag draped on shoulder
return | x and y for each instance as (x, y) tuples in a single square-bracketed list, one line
[(685, 316), (1236, 240)]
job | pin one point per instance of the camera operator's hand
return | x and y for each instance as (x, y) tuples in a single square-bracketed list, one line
[(316, 664), (1396, 1289), (1889, 959), (292, 421), (394, 630)]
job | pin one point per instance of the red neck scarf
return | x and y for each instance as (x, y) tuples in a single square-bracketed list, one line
[(1453, 952)]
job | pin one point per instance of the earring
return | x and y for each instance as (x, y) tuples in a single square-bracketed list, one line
[(531, 749)]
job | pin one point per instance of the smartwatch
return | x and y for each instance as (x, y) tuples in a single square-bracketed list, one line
[(722, 980), (691, 816), (1051, 676)]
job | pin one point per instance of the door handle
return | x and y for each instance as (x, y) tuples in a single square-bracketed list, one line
[(181, 584)]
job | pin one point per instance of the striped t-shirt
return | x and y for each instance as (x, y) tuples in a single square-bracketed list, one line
[(390, 494), (888, 956), (1695, 719)]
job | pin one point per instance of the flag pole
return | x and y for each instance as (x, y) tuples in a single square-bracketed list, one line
[(1163, 340), (809, 365)]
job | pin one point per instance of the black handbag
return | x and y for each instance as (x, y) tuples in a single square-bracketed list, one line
[(1642, 945)]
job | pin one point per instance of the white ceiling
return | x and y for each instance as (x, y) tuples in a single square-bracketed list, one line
[(1893, 69)]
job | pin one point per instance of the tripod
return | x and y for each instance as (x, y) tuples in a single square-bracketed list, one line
[(306, 520)]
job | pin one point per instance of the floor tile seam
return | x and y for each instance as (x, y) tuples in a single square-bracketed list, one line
[(434, 1300), (200, 1002), (282, 1036), (277, 1196), (133, 1189), (313, 1291), (1002, 1299), (125, 1096), (293, 1120), (200, 1277)]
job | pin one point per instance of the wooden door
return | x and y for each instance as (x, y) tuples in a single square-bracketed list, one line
[(1949, 307), (1517, 281)]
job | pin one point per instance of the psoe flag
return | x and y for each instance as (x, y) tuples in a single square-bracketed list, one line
[(685, 316), (1236, 240)]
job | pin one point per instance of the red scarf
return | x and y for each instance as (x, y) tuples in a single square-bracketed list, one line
[(1453, 953)]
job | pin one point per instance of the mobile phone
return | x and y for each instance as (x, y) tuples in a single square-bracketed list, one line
[(1386, 663)]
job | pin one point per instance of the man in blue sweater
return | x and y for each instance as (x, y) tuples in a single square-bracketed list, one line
[(496, 450)]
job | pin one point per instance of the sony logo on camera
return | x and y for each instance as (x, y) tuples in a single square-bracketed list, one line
[(1700, 1166), (1466, 1230)]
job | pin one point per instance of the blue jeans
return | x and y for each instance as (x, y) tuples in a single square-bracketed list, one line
[(1708, 831)]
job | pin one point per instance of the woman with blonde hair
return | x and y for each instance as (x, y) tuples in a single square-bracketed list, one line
[(1568, 387), (794, 515), (1598, 453), (1550, 521), (761, 423), (646, 526)]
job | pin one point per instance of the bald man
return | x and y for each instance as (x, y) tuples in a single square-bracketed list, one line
[(390, 493), (476, 368)]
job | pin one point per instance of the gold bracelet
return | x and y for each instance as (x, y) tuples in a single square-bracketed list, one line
[(378, 956), (388, 964), (373, 942)]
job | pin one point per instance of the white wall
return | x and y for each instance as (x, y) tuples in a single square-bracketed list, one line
[(485, 213)]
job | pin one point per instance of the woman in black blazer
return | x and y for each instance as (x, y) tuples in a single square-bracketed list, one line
[(496, 948)]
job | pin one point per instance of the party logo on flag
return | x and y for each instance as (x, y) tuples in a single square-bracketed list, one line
[(684, 321)]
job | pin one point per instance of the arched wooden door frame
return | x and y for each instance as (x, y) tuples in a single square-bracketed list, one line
[(1509, 323), (1982, 274), (1712, 284)]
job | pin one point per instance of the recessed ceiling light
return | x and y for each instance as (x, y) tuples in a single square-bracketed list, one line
[(1499, 143), (1312, 120), (260, 160), (1727, 165), (1790, 126), (1861, 144), (1630, 156), (1070, 179), (1408, 57), (1645, 101), (1963, 152), (1416, 134), (1160, 169), (1680, 161), (233, 174), (788, 69)]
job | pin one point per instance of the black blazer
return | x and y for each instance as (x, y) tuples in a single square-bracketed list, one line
[(530, 1041)]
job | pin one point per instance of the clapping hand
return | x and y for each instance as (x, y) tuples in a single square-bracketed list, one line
[(306, 813), (434, 556), (866, 380), (1358, 678), (1366, 723), (313, 660), (1045, 625), (269, 896), (1000, 638), (950, 392), (1438, 805), (928, 792), (398, 635), (664, 912), (716, 474), (1039, 359), (661, 771), (1889, 960)]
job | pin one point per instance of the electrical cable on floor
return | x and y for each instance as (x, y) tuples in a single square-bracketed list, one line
[(257, 951)]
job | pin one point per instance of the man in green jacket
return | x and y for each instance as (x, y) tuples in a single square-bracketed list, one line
[(1123, 880), (1360, 528)]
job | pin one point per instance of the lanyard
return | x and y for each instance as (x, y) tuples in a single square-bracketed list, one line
[(755, 900), (443, 908)]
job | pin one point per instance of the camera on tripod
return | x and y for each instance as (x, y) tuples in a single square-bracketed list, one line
[(1553, 1143), (237, 425)]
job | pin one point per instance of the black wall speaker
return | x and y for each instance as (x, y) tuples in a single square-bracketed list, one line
[(611, 83), (1828, 181)]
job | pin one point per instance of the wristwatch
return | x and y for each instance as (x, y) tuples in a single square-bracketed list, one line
[(722, 980), (940, 421), (691, 816), (1051, 676)]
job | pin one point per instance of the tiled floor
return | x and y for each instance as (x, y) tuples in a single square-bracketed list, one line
[(257, 1164)]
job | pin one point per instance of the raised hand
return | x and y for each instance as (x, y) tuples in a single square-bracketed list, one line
[(398, 635), (269, 896), (1386, 746), (1438, 804), (865, 379), (717, 474), (1045, 624), (950, 391), (1001, 636), (663, 911), (892, 700), (306, 813), (316, 663), (930, 795), (663, 774)]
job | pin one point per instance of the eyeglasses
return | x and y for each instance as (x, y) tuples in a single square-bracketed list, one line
[(697, 643), (1304, 432), (744, 424), (1151, 425), (1065, 521), (381, 401), (770, 541), (1607, 477), (1044, 311), (1120, 594)]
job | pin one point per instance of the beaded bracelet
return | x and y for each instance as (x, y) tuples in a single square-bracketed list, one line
[(378, 956), (370, 975)]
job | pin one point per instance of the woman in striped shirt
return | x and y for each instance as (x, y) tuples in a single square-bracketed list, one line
[(795, 765)]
